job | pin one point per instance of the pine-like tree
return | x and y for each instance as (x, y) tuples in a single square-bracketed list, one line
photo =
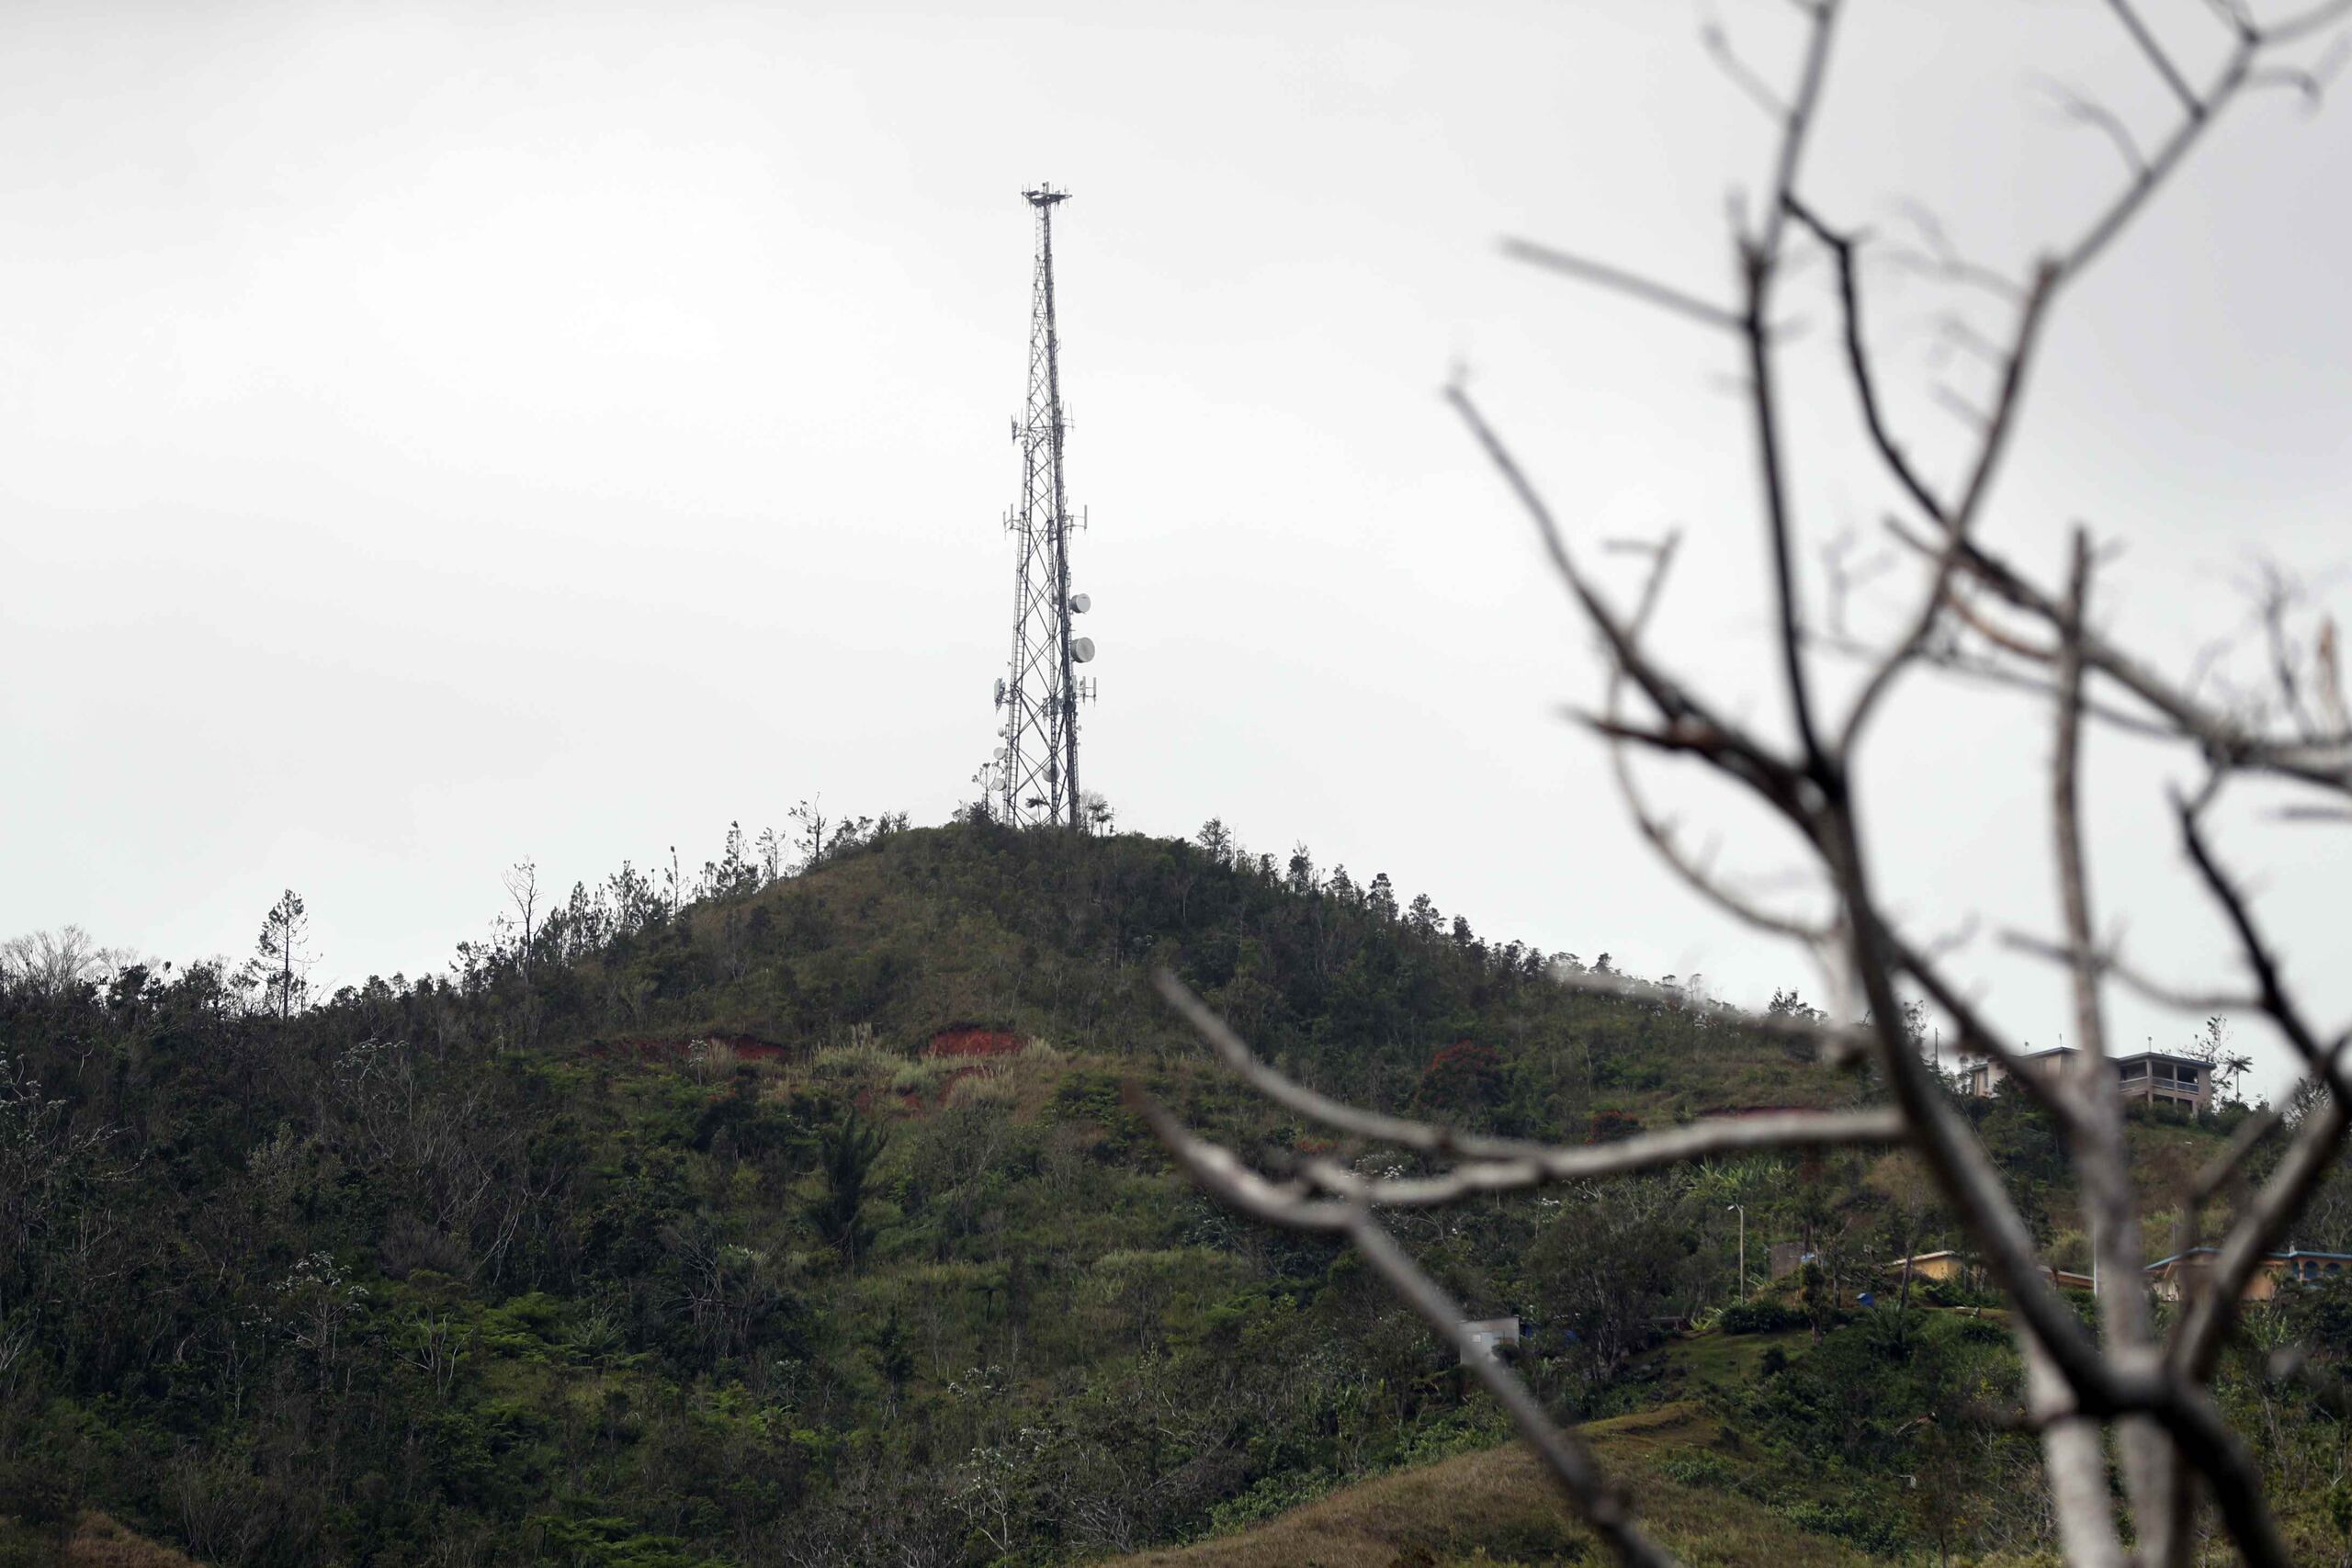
[(282, 956)]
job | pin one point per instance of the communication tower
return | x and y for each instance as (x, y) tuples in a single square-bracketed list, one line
[(1034, 775)]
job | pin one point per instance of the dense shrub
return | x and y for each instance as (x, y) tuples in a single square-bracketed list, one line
[(1761, 1317)]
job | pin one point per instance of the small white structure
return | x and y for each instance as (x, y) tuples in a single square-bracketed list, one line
[(1487, 1333)]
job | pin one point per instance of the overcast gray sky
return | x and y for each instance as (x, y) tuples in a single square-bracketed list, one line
[(433, 435)]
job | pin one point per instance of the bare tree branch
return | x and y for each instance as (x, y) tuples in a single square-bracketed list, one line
[(1425, 1138), (2157, 1401), (1217, 1172), (2224, 739), (2270, 986), (2155, 54), (1943, 259), (1794, 129), (2154, 170), (1603, 1505), (1760, 260), (2312, 1154), (1741, 74), (1961, 1167), (1649, 1151), (2111, 964), (2074, 881), (1941, 654), (2076, 1462), (1857, 360), (2225, 1167), (1659, 833), (1960, 520), (2316, 1143), (1507, 1164), (1744, 756), (2102, 1158), (2101, 118), (1975, 1036), (2312, 80), (2292, 29), (1649, 291)]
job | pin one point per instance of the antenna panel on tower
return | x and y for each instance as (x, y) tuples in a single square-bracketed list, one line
[(1039, 694)]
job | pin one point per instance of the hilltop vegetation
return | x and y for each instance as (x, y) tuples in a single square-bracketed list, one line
[(769, 1219)]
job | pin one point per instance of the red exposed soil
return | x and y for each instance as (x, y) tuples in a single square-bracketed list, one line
[(974, 1043), (752, 1047)]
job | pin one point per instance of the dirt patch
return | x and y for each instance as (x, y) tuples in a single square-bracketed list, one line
[(746, 1047), (968, 1041), (749, 1047)]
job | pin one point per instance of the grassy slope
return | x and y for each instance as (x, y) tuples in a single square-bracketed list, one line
[(1696, 1488), (1022, 943), (1500, 1506), (94, 1541)]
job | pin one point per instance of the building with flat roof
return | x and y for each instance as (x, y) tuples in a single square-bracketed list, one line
[(2158, 1077)]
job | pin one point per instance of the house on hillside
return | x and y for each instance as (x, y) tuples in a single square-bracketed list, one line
[(2173, 1276), (1488, 1334), (2158, 1078), (1953, 1266), (1931, 1266)]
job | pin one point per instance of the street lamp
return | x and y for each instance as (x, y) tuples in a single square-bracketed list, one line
[(1742, 1292)]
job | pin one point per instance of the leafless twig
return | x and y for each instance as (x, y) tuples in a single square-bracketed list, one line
[(2155, 54), (1603, 1505), (1981, 617), (1631, 284)]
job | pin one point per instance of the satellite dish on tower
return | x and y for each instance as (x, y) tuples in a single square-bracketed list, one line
[(1079, 604), (1081, 649)]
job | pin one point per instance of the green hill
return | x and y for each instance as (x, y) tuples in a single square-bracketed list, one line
[(798, 1221)]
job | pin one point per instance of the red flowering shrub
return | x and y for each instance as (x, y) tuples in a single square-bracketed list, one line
[(1610, 1125)]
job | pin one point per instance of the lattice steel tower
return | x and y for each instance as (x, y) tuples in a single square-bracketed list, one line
[(1034, 772)]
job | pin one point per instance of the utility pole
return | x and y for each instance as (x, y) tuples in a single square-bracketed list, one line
[(1034, 774), (1741, 1292)]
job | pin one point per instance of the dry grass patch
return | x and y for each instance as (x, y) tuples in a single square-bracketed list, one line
[(98, 1542), (1500, 1507)]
